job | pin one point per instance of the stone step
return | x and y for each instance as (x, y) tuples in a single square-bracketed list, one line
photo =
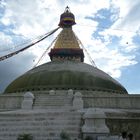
[(52, 100), (39, 127), (41, 117), (42, 105), (48, 125), (19, 113), (46, 120), (49, 103), (44, 137), (54, 97), (42, 125), (46, 134)]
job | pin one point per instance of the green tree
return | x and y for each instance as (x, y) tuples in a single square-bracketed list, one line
[(25, 137), (64, 136)]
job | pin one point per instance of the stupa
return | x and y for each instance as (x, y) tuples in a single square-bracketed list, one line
[(68, 96), (66, 69)]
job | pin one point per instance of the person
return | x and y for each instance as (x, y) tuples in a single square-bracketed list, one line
[(123, 136), (130, 136)]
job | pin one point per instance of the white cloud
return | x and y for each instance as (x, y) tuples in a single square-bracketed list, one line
[(29, 18), (113, 61), (125, 28), (5, 42), (129, 15)]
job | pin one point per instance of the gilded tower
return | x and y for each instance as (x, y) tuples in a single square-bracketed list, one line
[(66, 46)]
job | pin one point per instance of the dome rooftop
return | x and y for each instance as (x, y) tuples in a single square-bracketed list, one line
[(65, 75)]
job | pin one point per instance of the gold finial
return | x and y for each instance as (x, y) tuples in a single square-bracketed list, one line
[(67, 19)]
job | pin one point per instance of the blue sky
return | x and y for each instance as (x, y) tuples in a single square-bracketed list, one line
[(109, 30)]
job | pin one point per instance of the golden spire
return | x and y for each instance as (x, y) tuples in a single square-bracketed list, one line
[(66, 39), (66, 46)]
